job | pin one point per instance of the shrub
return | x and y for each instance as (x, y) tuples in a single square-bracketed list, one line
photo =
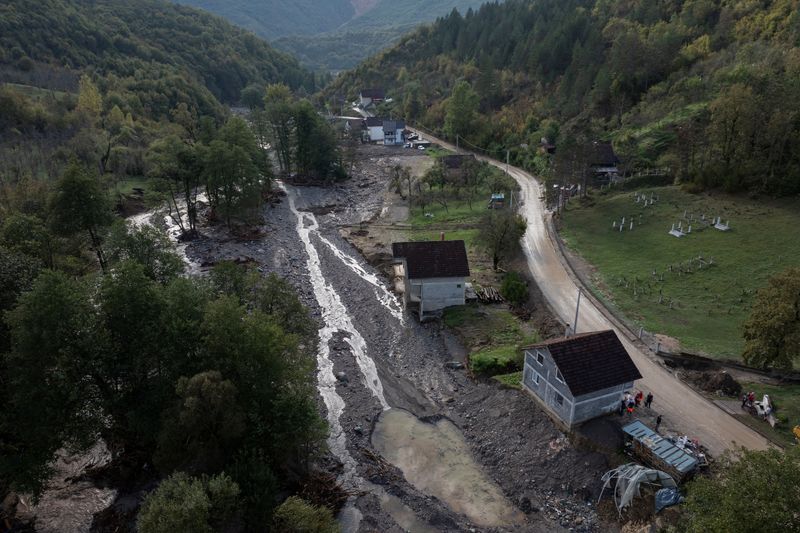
[(514, 289), (494, 361), (296, 515)]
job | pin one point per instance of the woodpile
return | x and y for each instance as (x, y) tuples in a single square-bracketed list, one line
[(380, 471), (322, 488), (489, 295)]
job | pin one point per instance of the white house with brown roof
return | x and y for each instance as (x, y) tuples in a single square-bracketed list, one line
[(580, 377), (367, 97), (433, 274)]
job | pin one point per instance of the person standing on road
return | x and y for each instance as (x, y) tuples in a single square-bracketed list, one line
[(658, 422), (648, 400)]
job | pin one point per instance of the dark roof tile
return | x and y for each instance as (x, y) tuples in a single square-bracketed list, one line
[(433, 259), (591, 362)]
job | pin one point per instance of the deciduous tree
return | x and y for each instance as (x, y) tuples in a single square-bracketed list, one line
[(80, 203), (772, 333), (500, 232), (756, 491)]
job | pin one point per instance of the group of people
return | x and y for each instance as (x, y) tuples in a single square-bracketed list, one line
[(632, 401), (748, 398)]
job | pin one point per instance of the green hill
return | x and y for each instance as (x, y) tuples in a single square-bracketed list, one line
[(331, 34), (278, 18), (175, 50), (696, 86), (148, 69)]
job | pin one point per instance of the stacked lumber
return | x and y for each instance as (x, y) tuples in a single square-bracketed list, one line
[(489, 295)]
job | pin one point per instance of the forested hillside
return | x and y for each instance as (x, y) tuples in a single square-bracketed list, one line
[(363, 36), (277, 18), (702, 87), (144, 43), (331, 34)]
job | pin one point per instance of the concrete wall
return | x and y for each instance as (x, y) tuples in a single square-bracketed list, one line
[(549, 389), (598, 403), (438, 293), (375, 133)]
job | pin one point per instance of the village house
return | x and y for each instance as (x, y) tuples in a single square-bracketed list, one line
[(580, 377), (394, 132), (385, 131), (368, 97), (374, 127), (603, 162), (432, 275)]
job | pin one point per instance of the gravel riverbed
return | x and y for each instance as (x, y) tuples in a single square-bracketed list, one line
[(517, 446)]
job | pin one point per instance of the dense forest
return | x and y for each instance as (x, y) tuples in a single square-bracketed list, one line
[(271, 19), (330, 35), (700, 87), (203, 387), (365, 35)]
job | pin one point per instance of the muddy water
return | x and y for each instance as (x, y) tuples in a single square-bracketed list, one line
[(435, 459)]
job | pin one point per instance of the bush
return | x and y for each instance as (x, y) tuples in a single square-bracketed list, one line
[(184, 503), (494, 361), (514, 289), (296, 515)]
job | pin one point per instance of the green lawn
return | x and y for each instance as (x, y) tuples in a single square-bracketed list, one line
[(513, 380), (492, 334), (709, 302)]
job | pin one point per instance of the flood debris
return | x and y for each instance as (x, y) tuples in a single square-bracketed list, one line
[(628, 479)]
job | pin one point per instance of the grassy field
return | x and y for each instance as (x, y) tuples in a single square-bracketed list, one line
[(659, 282), (786, 400), (492, 334), (513, 380)]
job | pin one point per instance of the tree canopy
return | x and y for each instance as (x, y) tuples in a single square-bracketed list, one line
[(772, 333), (756, 491)]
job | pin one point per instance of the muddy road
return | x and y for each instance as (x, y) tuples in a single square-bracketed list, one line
[(395, 411), (682, 406)]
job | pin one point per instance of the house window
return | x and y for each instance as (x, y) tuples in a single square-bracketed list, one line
[(458, 285), (539, 358), (559, 377), (559, 399), (536, 377)]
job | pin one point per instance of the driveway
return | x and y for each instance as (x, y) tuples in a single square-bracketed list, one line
[(680, 405)]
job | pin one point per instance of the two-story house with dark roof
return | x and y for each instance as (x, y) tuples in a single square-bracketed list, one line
[(580, 377), (434, 274)]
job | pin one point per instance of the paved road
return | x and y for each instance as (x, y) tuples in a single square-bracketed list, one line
[(681, 406)]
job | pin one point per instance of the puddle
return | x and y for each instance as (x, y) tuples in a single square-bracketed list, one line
[(401, 513), (435, 459)]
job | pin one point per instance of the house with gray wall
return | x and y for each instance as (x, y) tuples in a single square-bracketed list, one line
[(433, 275), (580, 377)]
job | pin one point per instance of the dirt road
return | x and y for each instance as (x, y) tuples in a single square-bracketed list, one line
[(681, 406)]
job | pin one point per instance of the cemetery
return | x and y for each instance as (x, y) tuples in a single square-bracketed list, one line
[(680, 264)]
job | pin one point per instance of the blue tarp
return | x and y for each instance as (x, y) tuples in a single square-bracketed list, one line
[(667, 497)]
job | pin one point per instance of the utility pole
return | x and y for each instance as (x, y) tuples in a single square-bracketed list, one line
[(457, 150), (508, 152), (577, 308), (511, 203)]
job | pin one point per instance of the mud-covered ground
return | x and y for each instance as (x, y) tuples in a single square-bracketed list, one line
[(514, 442)]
